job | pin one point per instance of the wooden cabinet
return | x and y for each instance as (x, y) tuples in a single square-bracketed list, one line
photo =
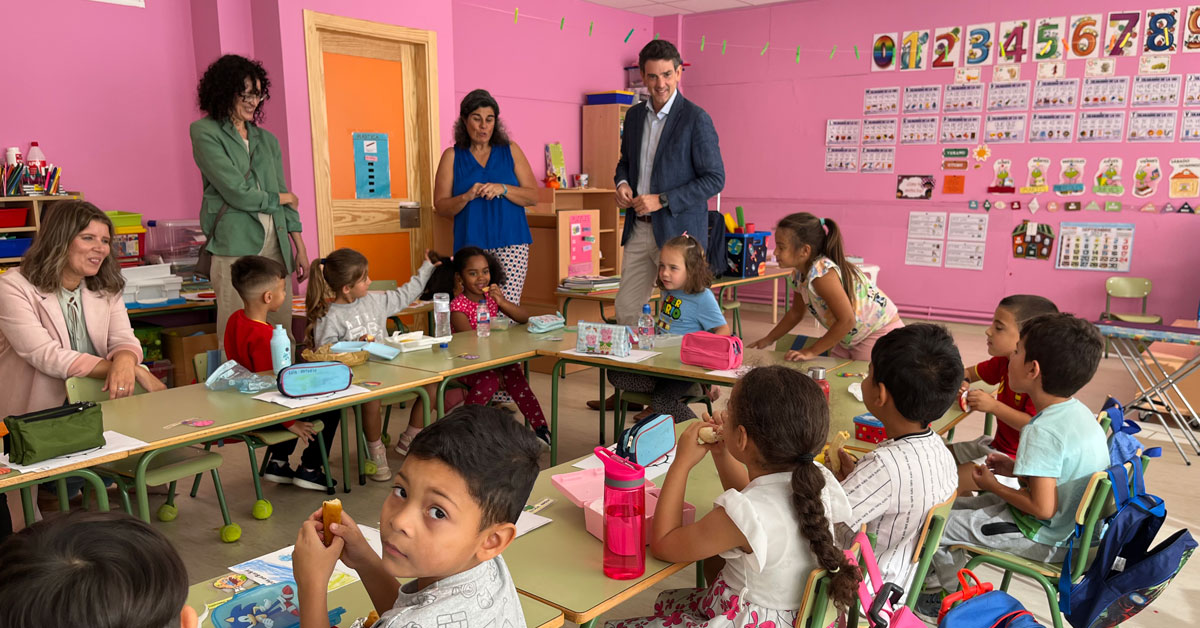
[(35, 206), (602, 128)]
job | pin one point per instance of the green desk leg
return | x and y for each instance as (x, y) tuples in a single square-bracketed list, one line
[(603, 405), (27, 505), (555, 375), (424, 397), (346, 427), (566, 302)]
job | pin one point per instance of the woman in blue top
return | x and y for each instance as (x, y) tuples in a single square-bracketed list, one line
[(484, 183)]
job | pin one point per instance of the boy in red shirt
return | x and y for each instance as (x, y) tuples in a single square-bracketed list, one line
[(1012, 409), (260, 282)]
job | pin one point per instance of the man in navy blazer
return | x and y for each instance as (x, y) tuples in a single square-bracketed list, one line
[(670, 166)]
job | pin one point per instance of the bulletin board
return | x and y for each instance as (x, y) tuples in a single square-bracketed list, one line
[(578, 235)]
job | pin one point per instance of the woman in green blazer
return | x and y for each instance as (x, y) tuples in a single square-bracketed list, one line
[(246, 208)]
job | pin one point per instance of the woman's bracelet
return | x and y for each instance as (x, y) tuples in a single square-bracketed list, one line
[(505, 193)]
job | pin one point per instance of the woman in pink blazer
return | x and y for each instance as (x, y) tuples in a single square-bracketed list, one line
[(62, 315)]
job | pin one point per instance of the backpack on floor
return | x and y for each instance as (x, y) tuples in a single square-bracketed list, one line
[(1126, 575), (982, 607), (714, 250)]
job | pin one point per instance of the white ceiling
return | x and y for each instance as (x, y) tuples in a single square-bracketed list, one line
[(673, 7)]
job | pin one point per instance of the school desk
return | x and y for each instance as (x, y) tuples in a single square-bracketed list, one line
[(773, 274), (843, 406), (357, 603), (561, 563)]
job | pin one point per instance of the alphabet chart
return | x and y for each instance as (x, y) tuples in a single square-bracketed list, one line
[(1101, 126), (960, 129), (1055, 94), (877, 159), (879, 101), (922, 98), (1152, 126), (1012, 96), (841, 159), (842, 132), (1056, 128), (1005, 129), (919, 130), (1110, 92), (879, 131), (1156, 91), (1191, 90), (1095, 246), (964, 98), (1190, 131)]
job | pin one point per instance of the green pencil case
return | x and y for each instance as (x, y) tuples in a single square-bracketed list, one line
[(47, 434)]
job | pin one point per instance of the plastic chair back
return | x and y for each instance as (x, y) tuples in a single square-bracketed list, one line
[(927, 544)]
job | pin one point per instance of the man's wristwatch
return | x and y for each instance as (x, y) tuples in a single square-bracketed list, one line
[(662, 198)]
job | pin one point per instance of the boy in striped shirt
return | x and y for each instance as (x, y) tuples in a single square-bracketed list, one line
[(913, 378)]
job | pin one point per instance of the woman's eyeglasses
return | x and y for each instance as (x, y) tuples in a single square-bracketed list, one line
[(252, 97)]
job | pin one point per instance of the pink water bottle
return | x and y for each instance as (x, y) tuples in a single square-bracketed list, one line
[(624, 517)]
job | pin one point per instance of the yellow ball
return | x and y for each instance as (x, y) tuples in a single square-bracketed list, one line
[(262, 509), (231, 533), (167, 512)]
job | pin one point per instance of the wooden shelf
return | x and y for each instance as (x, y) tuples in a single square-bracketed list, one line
[(21, 199), (16, 229), (9, 260), (607, 270), (608, 231)]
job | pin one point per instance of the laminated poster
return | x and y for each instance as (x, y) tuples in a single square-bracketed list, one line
[(1052, 128), (1099, 246), (1152, 126), (1070, 176), (914, 186), (1003, 181), (1146, 176), (1189, 130), (965, 255), (1156, 91), (877, 159), (881, 101), (1101, 126), (1107, 181), (1185, 178), (1012, 96), (842, 132), (878, 132), (841, 159), (1191, 87), (960, 129), (1006, 128), (916, 130), (1036, 184), (1110, 92), (1055, 94), (922, 98), (965, 98)]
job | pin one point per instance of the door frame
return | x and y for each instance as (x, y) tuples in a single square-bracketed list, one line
[(422, 140)]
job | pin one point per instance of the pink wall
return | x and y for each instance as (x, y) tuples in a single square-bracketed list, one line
[(770, 113), (108, 91), (539, 73)]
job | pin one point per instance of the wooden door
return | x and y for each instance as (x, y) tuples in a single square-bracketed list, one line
[(378, 79)]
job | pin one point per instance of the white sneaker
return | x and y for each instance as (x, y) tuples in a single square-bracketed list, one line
[(379, 457), (403, 443)]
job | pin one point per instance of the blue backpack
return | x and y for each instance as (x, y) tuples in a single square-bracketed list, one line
[(982, 607), (1123, 446), (1126, 575)]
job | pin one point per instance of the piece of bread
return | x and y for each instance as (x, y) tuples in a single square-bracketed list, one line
[(835, 460), (331, 513), (709, 435)]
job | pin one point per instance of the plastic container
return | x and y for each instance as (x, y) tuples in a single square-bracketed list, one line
[(645, 329), (746, 254), (129, 244), (151, 285), (483, 320), (624, 517), (869, 429), (441, 315), (15, 247), (281, 349), (124, 219), (818, 375), (616, 97), (177, 241), (13, 216), (501, 322), (36, 160)]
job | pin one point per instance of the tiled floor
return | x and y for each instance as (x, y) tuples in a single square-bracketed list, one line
[(194, 532)]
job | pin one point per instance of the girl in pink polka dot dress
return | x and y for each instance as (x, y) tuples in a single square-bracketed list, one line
[(480, 274)]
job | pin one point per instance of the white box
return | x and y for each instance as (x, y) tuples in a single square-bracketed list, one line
[(150, 285)]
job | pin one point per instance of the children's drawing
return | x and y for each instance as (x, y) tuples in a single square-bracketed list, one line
[(1146, 177), (1003, 183), (1070, 178), (1108, 178)]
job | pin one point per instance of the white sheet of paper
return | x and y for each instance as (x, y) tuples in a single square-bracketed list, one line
[(277, 566), (736, 373), (277, 397), (529, 521), (635, 355), (113, 442)]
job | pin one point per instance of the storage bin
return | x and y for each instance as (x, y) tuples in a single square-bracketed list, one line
[(177, 241), (151, 285), (125, 219), (15, 247), (13, 216), (151, 338), (129, 244), (746, 254), (617, 97), (183, 343)]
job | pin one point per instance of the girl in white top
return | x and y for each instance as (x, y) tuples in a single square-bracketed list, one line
[(773, 523), (853, 310)]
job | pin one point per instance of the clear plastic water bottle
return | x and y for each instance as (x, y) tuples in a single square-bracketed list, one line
[(645, 329), (281, 349), (483, 320), (441, 315), (624, 516)]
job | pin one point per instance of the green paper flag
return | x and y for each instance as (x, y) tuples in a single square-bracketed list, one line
[(629, 35), (723, 42), (831, 52), (562, 23), (856, 52), (702, 43), (797, 54), (516, 13), (590, 26), (764, 50), (656, 36)]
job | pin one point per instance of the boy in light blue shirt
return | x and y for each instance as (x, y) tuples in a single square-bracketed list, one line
[(1061, 447)]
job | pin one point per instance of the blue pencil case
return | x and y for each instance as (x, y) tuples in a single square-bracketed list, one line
[(314, 378), (274, 605), (648, 440)]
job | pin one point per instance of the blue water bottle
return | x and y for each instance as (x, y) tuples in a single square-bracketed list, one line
[(281, 349)]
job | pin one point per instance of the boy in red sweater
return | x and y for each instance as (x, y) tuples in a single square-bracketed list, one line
[(1012, 410), (260, 282)]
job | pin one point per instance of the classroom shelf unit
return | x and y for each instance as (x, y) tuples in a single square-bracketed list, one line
[(33, 218)]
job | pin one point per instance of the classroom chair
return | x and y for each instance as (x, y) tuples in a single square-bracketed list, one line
[(621, 406), (1095, 509), (815, 609), (734, 306), (164, 467), (1127, 288), (927, 545), (263, 437)]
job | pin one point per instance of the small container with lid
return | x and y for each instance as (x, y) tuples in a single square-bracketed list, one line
[(818, 375)]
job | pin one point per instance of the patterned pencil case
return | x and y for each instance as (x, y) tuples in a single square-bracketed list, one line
[(546, 322), (604, 339), (314, 378)]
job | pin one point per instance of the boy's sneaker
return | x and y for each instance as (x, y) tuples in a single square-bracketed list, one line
[(279, 472), (543, 434), (928, 605), (311, 479), (379, 457)]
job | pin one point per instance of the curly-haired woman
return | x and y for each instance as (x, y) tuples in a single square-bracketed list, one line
[(247, 208), (62, 314), (484, 183)]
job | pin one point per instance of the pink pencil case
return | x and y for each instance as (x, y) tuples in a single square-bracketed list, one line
[(711, 351)]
